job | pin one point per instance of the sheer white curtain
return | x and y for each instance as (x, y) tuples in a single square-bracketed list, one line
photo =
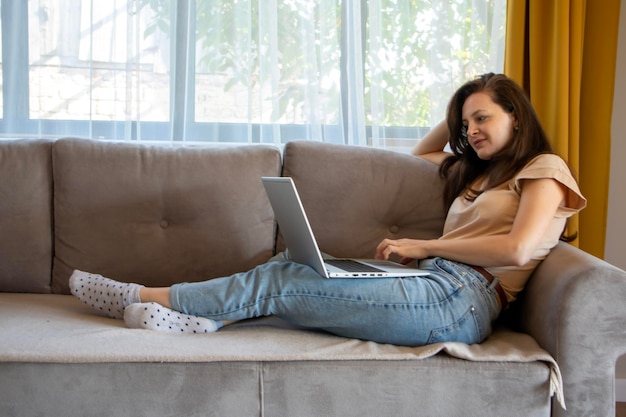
[(376, 73)]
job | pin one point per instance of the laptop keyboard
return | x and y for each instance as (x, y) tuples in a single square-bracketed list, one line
[(351, 266)]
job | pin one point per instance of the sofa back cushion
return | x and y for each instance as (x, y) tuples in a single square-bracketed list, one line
[(355, 196), (160, 215), (25, 215)]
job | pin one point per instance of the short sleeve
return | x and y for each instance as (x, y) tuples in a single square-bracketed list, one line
[(553, 166)]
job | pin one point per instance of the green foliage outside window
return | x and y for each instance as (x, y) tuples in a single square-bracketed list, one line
[(411, 49)]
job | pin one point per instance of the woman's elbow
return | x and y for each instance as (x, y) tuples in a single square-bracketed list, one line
[(520, 254)]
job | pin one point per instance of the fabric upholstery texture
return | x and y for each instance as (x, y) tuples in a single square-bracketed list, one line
[(130, 389), (25, 215), (355, 196), (158, 215), (438, 387), (563, 303)]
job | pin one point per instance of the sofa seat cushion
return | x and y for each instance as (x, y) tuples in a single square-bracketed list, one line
[(59, 328), (158, 215), (43, 332)]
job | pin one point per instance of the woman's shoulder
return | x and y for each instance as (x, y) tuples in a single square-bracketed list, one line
[(549, 165), (547, 161)]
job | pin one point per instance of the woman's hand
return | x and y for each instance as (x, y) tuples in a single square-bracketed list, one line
[(407, 249)]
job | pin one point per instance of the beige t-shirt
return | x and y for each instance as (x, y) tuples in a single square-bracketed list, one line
[(493, 213)]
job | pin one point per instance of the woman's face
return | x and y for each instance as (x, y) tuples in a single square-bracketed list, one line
[(489, 127)]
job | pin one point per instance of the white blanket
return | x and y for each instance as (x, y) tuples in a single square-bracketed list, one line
[(60, 329)]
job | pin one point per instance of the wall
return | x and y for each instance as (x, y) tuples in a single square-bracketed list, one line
[(616, 228), (615, 251)]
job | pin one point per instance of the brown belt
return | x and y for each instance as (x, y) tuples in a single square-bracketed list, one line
[(501, 295)]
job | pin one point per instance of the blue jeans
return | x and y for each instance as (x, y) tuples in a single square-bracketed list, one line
[(452, 303)]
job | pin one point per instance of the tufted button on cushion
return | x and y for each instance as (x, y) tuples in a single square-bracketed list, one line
[(394, 229), (204, 207)]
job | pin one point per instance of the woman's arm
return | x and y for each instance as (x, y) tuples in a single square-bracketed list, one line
[(431, 146), (539, 201)]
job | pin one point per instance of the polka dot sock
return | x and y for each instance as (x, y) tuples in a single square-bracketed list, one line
[(153, 316), (104, 294)]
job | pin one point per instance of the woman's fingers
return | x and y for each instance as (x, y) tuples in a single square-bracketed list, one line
[(407, 249), (389, 246)]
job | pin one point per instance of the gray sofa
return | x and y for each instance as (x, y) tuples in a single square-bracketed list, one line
[(161, 214)]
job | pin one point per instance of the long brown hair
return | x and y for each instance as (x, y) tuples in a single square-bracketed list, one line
[(464, 167)]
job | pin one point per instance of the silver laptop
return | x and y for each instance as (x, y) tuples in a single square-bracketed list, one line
[(302, 245)]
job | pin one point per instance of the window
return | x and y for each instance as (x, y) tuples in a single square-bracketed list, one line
[(376, 73)]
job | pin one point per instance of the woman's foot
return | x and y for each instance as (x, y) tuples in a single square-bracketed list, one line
[(104, 294), (153, 316)]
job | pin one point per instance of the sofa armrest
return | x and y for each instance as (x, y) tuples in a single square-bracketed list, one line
[(575, 307)]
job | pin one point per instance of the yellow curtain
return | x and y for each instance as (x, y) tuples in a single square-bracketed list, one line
[(564, 52)]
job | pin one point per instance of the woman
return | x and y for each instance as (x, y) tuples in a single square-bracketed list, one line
[(509, 198)]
